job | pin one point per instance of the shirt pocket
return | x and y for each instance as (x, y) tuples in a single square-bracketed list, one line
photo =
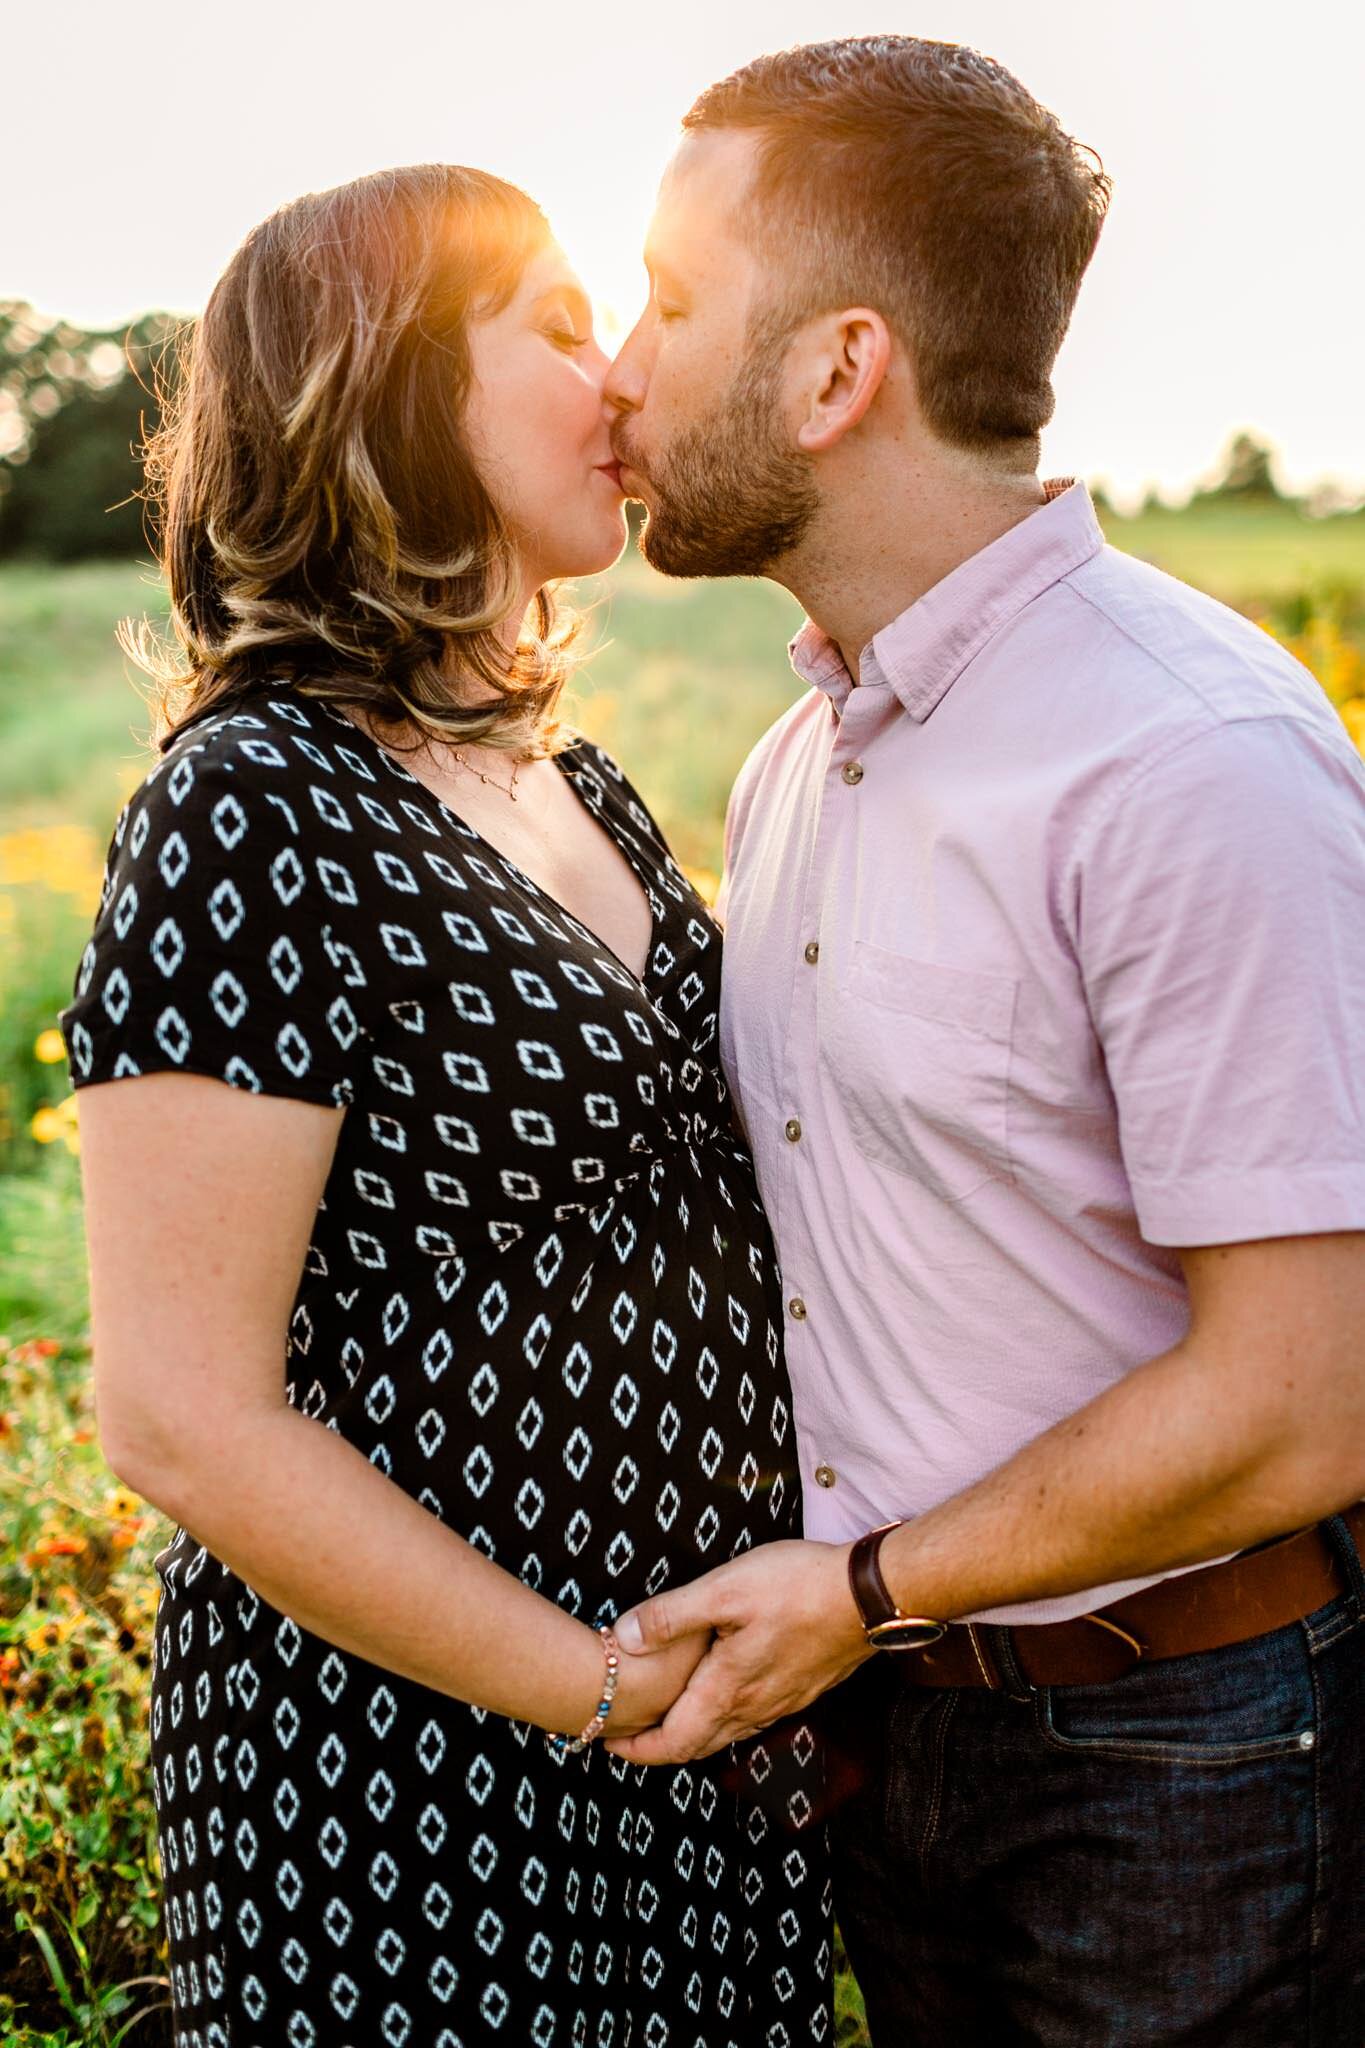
[(918, 1056)]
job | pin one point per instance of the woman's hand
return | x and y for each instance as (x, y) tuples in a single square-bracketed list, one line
[(647, 1686)]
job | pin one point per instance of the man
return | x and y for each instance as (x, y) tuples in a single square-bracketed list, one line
[(1045, 967)]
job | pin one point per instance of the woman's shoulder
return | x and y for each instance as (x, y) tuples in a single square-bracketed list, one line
[(216, 946), (271, 739), (278, 770)]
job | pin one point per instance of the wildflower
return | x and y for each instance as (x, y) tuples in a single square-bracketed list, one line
[(93, 1739), (49, 1047), (46, 1636), (55, 1546), (46, 1126), (121, 1504), (33, 1349)]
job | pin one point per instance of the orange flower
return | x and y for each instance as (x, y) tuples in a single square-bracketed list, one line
[(55, 1546)]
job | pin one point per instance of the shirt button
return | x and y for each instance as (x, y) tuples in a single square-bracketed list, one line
[(825, 1475), (797, 1308), (852, 771), (812, 952), (793, 1129)]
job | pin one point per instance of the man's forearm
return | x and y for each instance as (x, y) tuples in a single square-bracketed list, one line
[(1177, 1463)]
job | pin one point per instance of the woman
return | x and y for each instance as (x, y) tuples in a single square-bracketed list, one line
[(472, 1183)]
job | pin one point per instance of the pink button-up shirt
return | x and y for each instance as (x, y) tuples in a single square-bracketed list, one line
[(1045, 953)]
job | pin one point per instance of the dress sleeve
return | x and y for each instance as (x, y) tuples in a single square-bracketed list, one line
[(1222, 943), (214, 949)]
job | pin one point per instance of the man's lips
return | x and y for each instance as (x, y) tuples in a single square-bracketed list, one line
[(611, 471), (624, 469)]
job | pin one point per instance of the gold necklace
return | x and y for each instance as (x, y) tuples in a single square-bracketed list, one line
[(507, 788)]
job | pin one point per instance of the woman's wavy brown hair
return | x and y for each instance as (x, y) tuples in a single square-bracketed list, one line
[(320, 519)]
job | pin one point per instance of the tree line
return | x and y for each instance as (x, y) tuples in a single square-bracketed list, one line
[(76, 404)]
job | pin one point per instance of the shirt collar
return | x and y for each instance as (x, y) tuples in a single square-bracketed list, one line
[(923, 651)]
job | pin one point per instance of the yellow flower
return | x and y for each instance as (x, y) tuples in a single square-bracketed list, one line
[(49, 1047), (48, 1635), (121, 1504), (46, 1126), (65, 858), (1353, 718)]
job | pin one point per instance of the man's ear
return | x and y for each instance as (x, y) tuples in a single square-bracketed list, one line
[(849, 361)]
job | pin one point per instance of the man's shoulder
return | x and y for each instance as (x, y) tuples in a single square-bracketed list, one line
[(1156, 645)]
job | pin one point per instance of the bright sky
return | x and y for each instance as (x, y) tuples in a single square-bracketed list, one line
[(1228, 290)]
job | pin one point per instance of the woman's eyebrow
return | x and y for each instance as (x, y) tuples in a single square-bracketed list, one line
[(571, 295)]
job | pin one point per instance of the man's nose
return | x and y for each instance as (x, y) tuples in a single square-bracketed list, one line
[(628, 376)]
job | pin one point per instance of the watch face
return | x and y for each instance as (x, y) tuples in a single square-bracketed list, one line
[(906, 1634)]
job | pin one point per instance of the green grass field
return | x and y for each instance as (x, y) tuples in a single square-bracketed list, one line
[(685, 678)]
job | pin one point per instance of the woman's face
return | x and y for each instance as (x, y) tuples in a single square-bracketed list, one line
[(537, 427)]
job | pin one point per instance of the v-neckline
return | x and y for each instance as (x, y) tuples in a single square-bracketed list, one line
[(528, 881)]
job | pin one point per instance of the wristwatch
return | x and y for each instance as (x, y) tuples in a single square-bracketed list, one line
[(885, 1627)]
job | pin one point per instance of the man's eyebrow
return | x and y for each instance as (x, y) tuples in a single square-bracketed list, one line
[(657, 266)]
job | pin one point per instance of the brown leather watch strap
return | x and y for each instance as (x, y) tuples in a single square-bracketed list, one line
[(865, 1577)]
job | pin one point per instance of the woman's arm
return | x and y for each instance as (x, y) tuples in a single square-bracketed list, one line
[(199, 1204)]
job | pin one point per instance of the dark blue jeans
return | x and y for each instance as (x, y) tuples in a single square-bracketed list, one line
[(1176, 1857)]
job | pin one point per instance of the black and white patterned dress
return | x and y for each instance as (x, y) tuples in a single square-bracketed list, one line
[(541, 1296)]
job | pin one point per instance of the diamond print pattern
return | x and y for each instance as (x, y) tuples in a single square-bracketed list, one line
[(540, 1296)]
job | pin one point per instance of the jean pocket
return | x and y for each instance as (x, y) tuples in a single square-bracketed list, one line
[(919, 1055), (1234, 1705)]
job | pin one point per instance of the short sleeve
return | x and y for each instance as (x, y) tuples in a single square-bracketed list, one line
[(214, 949), (1222, 944)]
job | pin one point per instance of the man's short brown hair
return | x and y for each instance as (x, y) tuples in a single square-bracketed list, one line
[(921, 179)]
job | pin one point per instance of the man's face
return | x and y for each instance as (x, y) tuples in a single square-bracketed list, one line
[(701, 427)]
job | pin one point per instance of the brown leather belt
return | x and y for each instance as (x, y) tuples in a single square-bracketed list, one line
[(1226, 1603)]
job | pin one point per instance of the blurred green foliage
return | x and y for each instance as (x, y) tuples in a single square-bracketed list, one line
[(74, 406)]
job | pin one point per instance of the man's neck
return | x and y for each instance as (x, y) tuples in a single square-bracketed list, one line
[(862, 568)]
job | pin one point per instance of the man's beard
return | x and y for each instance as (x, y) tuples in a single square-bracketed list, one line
[(731, 496)]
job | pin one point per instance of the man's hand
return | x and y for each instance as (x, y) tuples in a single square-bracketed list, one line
[(786, 1629)]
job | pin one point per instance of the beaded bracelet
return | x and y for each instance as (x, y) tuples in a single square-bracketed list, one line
[(565, 1745)]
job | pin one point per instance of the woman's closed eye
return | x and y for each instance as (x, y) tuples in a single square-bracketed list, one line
[(566, 336)]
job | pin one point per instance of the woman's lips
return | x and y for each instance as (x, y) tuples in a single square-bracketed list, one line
[(611, 471)]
